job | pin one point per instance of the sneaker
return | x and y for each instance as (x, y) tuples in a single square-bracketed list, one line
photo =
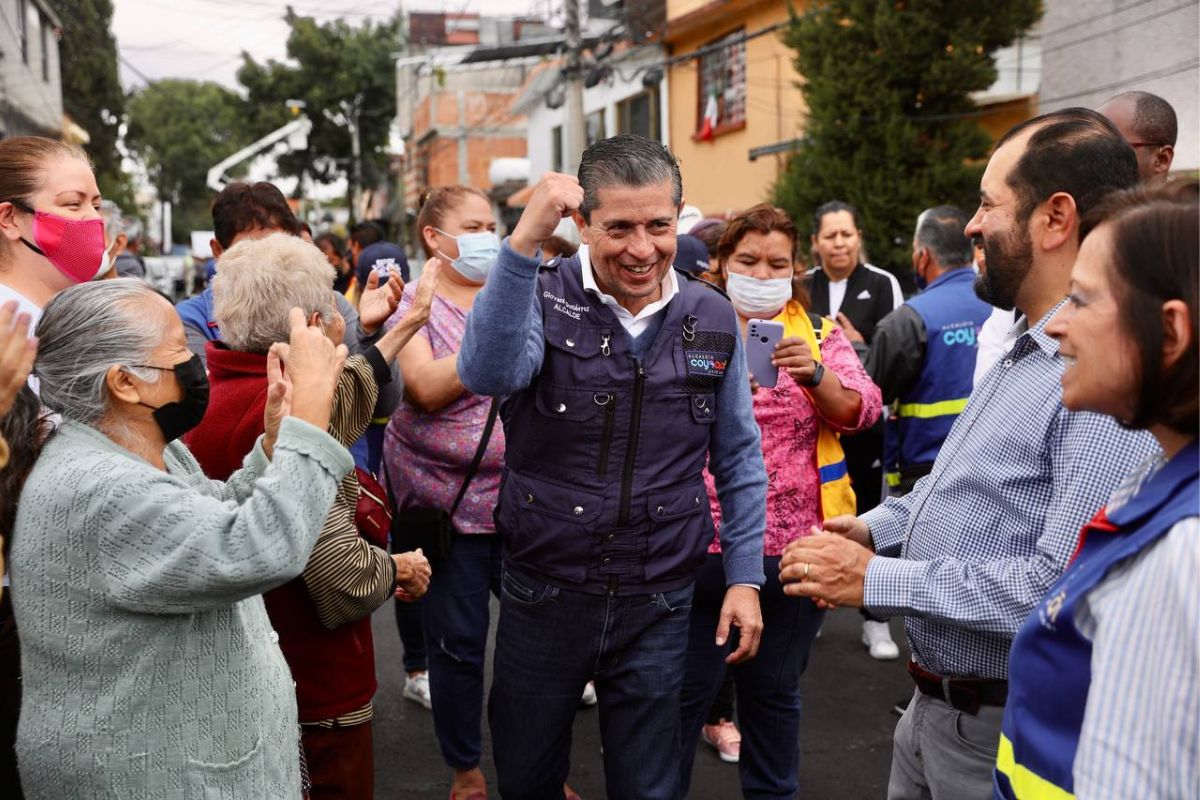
[(589, 694), (878, 638), (416, 688), (725, 739)]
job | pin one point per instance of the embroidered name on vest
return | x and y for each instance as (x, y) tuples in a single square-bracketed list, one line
[(563, 307)]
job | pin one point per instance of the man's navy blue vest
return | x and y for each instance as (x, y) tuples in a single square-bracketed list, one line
[(1052, 660), (603, 489), (953, 316)]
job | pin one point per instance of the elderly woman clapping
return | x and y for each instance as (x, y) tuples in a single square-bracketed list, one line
[(323, 616), (150, 667)]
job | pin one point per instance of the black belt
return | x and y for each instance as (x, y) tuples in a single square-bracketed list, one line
[(965, 694)]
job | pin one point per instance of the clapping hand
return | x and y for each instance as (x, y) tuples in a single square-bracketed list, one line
[(279, 399), (379, 302), (313, 366), (17, 351), (431, 273)]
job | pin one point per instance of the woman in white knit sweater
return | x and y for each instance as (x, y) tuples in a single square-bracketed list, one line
[(150, 667)]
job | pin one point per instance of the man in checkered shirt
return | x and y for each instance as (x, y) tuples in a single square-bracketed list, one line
[(967, 554)]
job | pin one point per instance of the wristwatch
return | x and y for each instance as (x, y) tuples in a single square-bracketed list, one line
[(817, 375)]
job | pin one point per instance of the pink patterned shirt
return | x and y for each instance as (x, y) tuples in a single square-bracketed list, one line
[(427, 455), (788, 420)]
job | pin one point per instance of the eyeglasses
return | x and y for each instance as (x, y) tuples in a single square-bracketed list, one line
[(1147, 144)]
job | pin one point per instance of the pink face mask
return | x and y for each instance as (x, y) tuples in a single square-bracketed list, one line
[(75, 246)]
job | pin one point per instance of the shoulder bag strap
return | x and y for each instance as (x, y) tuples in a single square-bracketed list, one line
[(479, 452)]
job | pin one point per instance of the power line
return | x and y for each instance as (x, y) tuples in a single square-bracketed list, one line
[(1123, 26), (1146, 76)]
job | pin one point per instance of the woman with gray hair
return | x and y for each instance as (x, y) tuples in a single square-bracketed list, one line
[(323, 616), (150, 667)]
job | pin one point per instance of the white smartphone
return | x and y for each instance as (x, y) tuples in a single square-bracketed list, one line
[(761, 337)]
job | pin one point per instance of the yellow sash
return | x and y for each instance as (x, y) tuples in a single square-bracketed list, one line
[(837, 495)]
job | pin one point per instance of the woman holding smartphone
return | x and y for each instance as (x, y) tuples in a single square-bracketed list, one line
[(825, 392)]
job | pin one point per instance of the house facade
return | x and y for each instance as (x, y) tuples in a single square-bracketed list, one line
[(30, 83)]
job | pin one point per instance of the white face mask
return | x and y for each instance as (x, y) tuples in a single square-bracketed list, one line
[(758, 298)]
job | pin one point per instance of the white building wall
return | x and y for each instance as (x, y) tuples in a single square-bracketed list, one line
[(29, 102), (1094, 49), (603, 97)]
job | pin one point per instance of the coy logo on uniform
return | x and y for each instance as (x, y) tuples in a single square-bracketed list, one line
[(702, 363), (961, 335)]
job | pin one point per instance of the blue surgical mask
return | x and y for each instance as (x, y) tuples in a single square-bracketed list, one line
[(477, 252)]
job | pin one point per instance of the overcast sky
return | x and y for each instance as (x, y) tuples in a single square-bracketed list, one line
[(204, 39)]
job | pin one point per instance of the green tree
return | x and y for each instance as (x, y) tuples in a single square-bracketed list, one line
[(337, 70), (91, 89), (179, 129), (892, 128)]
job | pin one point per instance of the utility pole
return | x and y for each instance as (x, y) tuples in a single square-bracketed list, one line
[(575, 125), (400, 133), (356, 155)]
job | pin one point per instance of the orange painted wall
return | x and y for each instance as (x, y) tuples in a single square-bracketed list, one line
[(718, 175)]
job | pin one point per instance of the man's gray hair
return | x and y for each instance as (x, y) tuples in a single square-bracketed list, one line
[(258, 283), (85, 331), (941, 231), (626, 160)]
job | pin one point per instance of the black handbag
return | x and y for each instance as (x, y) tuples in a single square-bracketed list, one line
[(432, 529)]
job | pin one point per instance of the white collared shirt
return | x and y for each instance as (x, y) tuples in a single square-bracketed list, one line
[(633, 324)]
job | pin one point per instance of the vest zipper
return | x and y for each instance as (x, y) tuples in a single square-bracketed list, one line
[(605, 336), (610, 413), (635, 429)]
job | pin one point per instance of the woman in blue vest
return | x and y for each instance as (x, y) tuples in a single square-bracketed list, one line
[(1104, 687), (822, 392)]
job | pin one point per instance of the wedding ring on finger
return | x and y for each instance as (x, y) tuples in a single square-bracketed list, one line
[(807, 567)]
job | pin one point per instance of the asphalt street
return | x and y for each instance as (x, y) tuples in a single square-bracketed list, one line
[(845, 744)]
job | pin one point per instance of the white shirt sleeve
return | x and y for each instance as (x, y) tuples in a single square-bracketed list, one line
[(1139, 736)]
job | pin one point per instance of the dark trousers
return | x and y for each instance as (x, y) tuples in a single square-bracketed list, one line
[(341, 762), (10, 701), (768, 685), (722, 704), (411, 630), (455, 616), (549, 644)]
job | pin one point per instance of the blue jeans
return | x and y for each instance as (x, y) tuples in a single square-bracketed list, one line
[(456, 616), (768, 685), (549, 644)]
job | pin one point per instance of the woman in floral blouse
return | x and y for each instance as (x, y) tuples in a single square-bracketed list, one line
[(821, 392)]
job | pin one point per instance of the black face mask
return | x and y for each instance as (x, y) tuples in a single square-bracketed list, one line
[(176, 419)]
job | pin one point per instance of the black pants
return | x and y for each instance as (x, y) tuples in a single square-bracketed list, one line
[(10, 702)]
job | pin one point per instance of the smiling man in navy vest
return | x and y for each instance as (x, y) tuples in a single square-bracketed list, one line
[(923, 354), (624, 377)]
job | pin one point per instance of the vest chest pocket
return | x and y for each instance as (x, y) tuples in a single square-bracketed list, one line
[(567, 336), (572, 405)]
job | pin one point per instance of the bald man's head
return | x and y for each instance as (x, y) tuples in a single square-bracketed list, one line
[(1148, 123)]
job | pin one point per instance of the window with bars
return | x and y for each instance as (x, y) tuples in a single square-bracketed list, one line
[(723, 76)]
